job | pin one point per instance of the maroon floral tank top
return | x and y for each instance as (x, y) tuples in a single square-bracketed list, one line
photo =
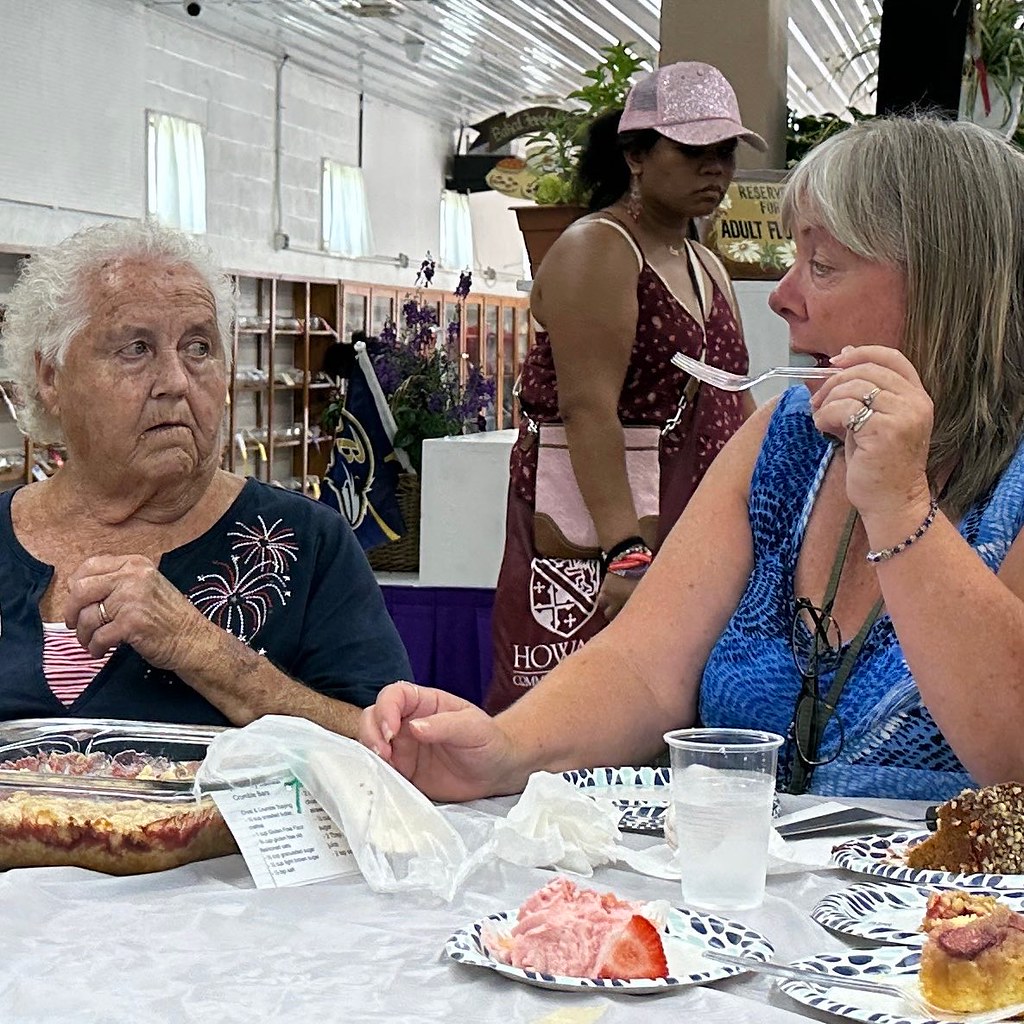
[(650, 393)]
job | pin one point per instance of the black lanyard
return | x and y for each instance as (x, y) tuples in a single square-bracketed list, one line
[(800, 771)]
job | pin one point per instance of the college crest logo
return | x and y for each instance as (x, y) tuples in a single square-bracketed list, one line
[(563, 593)]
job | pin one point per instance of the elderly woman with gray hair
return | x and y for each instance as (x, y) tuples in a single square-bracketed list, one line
[(850, 572), (141, 581)]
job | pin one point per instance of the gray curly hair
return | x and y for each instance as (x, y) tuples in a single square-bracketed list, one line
[(48, 305)]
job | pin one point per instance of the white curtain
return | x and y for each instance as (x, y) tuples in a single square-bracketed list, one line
[(456, 231), (345, 215), (177, 173)]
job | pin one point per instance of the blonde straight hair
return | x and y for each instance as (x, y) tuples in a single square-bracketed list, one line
[(944, 201)]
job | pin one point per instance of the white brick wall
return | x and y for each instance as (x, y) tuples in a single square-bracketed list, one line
[(72, 125), (10, 438), (70, 115)]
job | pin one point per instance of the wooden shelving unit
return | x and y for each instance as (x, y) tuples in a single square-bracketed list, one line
[(281, 336)]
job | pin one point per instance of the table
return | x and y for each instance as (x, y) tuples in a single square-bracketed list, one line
[(199, 944)]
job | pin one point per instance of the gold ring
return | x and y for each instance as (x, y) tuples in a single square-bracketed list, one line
[(104, 617), (869, 398), (859, 418)]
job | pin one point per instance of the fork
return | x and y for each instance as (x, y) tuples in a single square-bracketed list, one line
[(726, 381), (902, 986)]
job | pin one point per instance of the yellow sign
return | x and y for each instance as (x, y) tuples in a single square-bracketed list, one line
[(747, 233)]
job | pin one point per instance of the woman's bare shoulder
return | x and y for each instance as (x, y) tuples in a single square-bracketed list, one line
[(589, 258), (744, 446), (593, 239)]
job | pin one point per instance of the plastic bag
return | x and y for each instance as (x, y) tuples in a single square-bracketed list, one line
[(399, 839)]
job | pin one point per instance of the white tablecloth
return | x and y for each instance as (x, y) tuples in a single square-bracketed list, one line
[(201, 944)]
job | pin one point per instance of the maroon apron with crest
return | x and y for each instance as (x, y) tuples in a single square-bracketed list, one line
[(545, 608)]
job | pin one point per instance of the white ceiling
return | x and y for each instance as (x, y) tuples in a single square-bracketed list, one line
[(479, 57)]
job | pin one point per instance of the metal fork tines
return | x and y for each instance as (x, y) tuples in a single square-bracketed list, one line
[(726, 381)]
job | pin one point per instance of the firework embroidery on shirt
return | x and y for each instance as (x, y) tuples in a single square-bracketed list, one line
[(270, 546), (240, 599)]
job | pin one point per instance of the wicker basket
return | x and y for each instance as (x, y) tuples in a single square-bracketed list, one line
[(402, 555)]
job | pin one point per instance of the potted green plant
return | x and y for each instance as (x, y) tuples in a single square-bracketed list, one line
[(994, 68), (804, 133), (431, 392), (993, 72), (553, 154)]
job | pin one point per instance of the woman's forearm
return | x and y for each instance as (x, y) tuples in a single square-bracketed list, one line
[(244, 686), (596, 708), (961, 630)]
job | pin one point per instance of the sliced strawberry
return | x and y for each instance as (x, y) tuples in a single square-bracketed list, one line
[(636, 952)]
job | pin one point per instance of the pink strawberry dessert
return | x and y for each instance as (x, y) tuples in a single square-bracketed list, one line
[(579, 933)]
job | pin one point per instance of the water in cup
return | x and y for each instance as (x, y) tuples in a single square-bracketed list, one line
[(723, 785), (723, 819)]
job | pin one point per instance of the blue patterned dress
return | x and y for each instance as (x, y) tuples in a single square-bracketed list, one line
[(892, 746)]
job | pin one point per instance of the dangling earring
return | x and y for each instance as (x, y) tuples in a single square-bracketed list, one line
[(635, 201)]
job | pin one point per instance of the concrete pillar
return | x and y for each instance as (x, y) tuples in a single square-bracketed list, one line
[(747, 40)]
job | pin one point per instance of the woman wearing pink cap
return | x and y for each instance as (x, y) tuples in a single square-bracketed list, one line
[(619, 293)]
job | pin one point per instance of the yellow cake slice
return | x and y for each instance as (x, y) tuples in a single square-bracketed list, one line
[(973, 956)]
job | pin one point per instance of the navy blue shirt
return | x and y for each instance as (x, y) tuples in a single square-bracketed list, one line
[(281, 572)]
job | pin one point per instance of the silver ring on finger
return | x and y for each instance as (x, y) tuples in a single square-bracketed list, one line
[(105, 619), (869, 399), (859, 418)]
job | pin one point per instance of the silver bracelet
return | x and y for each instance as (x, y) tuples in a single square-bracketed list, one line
[(874, 557)]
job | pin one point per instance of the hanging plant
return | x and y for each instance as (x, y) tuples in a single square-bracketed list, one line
[(804, 133), (993, 61), (554, 153)]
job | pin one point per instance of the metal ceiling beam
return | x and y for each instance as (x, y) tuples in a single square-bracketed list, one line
[(481, 56)]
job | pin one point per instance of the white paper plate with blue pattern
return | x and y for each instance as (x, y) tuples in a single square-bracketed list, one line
[(687, 934), (886, 856), (886, 913), (869, 1007), (625, 787), (642, 794)]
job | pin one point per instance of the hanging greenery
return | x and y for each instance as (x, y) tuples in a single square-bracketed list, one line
[(804, 133)]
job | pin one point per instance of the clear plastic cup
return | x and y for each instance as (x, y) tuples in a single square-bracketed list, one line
[(723, 786)]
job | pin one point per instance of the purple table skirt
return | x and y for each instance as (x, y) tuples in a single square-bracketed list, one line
[(447, 632)]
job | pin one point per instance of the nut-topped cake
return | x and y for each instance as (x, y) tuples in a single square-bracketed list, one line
[(980, 830)]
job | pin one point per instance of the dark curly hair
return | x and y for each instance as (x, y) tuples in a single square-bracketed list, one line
[(603, 170)]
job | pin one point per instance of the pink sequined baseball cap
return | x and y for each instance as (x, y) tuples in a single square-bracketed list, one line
[(688, 102)]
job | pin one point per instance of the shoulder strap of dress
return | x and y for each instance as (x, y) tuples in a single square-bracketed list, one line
[(624, 231), (714, 266), (717, 272)]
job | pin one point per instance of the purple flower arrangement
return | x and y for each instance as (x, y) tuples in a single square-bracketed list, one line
[(420, 371)]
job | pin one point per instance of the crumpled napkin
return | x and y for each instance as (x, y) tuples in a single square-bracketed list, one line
[(555, 824)]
